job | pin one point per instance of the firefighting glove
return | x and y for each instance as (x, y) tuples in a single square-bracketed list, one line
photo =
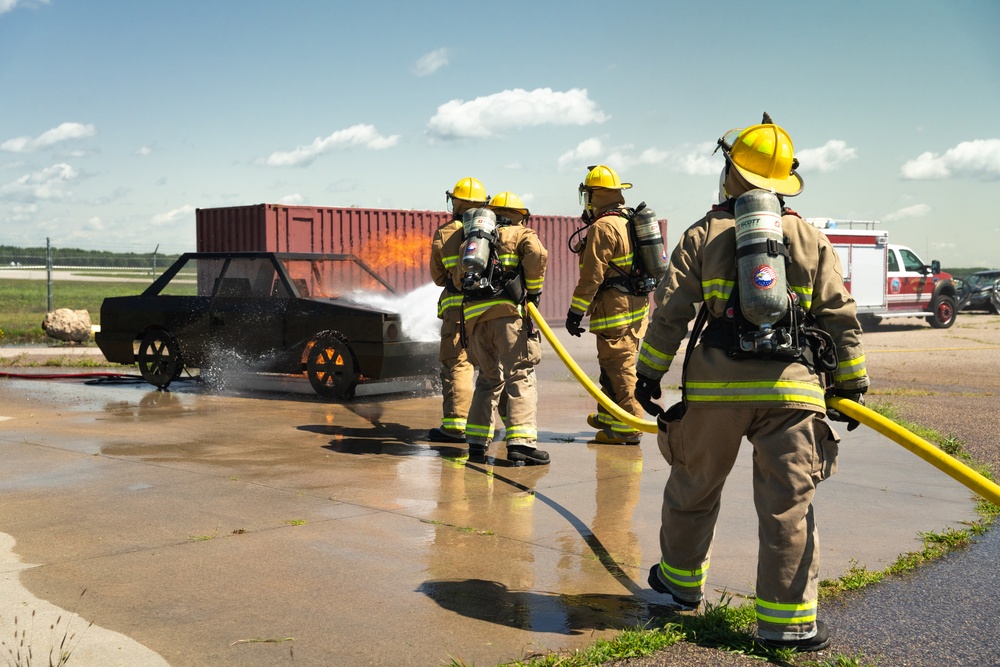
[(534, 298), (646, 389), (573, 324), (835, 415)]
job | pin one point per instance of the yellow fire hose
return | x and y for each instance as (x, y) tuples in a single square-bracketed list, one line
[(925, 450), (917, 445)]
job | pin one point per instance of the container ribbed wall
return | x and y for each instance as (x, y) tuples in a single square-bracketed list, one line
[(395, 243)]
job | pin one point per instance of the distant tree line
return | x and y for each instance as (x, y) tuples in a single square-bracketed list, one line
[(11, 255)]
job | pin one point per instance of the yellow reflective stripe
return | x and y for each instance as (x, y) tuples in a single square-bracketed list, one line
[(579, 304), (786, 613), (850, 369), (805, 295), (479, 307), (450, 261), (620, 320), (718, 288), (686, 578), (521, 433), (533, 283), (622, 261), (763, 390), (509, 259), (454, 423), (653, 358), (449, 302), (478, 430)]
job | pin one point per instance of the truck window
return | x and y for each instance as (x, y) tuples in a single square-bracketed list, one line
[(892, 264), (910, 261)]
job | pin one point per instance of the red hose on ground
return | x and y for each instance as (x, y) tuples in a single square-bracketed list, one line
[(63, 376)]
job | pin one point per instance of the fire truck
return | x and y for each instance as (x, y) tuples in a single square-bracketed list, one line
[(888, 280)]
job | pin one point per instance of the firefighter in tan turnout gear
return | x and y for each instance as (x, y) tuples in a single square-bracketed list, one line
[(456, 368), (502, 264), (743, 378), (617, 318)]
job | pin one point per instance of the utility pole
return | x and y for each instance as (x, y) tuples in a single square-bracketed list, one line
[(154, 259)]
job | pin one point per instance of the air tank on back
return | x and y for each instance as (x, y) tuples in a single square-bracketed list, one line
[(760, 261), (480, 232), (650, 242)]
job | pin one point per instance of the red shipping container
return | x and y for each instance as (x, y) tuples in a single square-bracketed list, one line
[(395, 243)]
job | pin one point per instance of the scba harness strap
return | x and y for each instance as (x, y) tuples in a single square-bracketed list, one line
[(798, 340)]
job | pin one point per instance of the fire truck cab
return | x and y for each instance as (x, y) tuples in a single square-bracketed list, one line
[(888, 280)]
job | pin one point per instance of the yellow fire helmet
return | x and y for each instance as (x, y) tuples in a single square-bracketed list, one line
[(508, 200), (601, 176), (764, 156), (469, 189)]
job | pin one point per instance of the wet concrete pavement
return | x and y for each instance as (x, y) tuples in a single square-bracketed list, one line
[(233, 527)]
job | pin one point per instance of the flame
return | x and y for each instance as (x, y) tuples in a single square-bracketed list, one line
[(408, 252)]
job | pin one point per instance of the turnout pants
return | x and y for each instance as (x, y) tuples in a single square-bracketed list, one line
[(616, 356), (456, 374), (507, 357), (793, 450)]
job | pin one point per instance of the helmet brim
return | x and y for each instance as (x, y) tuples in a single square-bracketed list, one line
[(786, 187)]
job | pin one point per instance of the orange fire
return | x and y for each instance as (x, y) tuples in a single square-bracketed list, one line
[(397, 251)]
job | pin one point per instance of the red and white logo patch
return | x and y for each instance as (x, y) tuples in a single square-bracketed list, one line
[(764, 277)]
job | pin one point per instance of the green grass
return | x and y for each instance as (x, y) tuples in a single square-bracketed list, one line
[(23, 303)]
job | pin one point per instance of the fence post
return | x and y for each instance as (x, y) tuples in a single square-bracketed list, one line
[(48, 274)]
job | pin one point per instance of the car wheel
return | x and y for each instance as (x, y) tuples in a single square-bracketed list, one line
[(943, 312), (331, 367), (159, 358)]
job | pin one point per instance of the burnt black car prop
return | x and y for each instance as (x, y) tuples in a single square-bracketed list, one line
[(977, 291), (287, 313)]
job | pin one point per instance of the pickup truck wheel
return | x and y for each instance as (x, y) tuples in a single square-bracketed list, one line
[(330, 366), (943, 312), (159, 358)]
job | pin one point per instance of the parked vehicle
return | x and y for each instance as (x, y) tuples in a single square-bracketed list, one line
[(888, 280), (977, 290), (288, 313)]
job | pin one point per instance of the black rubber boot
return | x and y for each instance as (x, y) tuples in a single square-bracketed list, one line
[(817, 642), (527, 455), (660, 587), (478, 453), (438, 434)]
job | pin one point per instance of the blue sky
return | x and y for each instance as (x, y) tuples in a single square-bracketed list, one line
[(118, 119)]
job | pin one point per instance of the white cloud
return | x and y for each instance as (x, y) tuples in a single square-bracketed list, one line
[(514, 109), (49, 183), (144, 151), (95, 224), (291, 200), (699, 160), (915, 211), (585, 153), (9, 5), (171, 216), (362, 135), (828, 157), (431, 62), (970, 159), (64, 132)]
